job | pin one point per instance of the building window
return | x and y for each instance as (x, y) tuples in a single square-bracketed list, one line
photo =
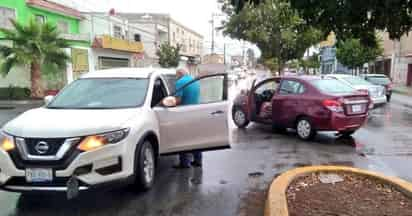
[(117, 31), (5, 15), (63, 26), (40, 18), (174, 37)]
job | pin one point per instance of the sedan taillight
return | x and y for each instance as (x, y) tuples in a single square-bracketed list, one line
[(333, 105)]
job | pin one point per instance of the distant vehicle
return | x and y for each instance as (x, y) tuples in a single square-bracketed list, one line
[(382, 80), (109, 127), (306, 103), (377, 93)]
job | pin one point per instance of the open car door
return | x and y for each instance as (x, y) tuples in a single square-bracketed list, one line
[(202, 126), (261, 93)]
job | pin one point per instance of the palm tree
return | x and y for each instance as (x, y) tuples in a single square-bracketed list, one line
[(35, 45)]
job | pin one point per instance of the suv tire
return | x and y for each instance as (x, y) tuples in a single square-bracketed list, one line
[(145, 166)]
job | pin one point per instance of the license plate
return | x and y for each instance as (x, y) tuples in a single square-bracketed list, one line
[(39, 175), (356, 108)]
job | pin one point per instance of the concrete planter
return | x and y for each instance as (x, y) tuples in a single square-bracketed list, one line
[(276, 203)]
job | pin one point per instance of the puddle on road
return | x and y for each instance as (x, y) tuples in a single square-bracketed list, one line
[(255, 174), (301, 164), (340, 163)]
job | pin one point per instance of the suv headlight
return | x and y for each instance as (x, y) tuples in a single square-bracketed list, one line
[(6, 142), (96, 141)]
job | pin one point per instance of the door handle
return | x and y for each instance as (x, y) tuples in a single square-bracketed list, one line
[(217, 112)]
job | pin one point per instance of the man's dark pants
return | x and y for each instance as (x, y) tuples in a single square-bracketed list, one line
[(185, 158)]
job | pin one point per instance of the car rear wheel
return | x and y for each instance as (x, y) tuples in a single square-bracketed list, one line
[(304, 129), (145, 166), (239, 117)]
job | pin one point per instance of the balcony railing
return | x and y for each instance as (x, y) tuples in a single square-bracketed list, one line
[(110, 42), (75, 37)]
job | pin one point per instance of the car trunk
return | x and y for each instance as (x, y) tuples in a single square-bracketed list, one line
[(355, 104)]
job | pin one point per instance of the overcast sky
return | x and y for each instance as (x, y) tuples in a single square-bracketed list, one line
[(194, 14)]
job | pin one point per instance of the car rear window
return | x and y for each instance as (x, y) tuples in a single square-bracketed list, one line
[(331, 86), (355, 80)]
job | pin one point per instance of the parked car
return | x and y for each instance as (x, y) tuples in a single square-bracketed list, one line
[(306, 103), (382, 80), (377, 93), (109, 127)]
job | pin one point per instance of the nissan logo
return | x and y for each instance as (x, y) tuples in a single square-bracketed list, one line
[(42, 147)]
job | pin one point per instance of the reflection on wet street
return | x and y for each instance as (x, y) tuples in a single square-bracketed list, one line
[(234, 181)]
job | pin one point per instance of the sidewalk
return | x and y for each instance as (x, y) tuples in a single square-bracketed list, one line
[(400, 99), (402, 89)]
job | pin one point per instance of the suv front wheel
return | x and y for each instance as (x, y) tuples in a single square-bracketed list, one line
[(145, 166)]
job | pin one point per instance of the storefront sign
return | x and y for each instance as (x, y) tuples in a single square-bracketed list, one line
[(80, 60)]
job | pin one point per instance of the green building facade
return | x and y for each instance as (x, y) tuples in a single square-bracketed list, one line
[(67, 21)]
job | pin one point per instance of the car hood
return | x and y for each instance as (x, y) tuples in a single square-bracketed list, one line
[(53, 123)]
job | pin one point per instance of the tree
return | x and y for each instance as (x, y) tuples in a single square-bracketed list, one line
[(168, 55), (239, 4), (358, 19), (351, 18), (37, 45), (274, 27), (353, 54), (312, 62)]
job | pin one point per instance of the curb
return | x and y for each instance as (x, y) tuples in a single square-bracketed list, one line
[(402, 92), (276, 203)]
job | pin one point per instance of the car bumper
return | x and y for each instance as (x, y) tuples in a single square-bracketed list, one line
[(379, 100), (106, 165), (341, 122)]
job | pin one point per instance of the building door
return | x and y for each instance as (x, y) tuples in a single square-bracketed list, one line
[(107, 62), (409, 75)]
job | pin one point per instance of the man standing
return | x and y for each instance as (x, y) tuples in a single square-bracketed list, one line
[(189, 95)]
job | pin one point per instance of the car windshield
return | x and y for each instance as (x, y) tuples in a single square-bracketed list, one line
[(379, 80), (332, 86), (355, 80), (102, 93)]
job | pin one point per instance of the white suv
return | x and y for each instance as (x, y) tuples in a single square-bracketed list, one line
[(108, 127)]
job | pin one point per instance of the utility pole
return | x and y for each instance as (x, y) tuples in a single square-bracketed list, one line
[(213, 35), (224, 53)]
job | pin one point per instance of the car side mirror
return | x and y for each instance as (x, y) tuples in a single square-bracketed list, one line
[(169, 101), (48, 99)]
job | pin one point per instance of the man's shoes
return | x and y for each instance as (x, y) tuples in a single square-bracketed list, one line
[(181, 166), (196, 164)]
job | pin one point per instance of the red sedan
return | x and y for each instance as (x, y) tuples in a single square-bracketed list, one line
[(306, 103)]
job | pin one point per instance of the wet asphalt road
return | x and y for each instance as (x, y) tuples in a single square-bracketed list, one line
[(234, 181)]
